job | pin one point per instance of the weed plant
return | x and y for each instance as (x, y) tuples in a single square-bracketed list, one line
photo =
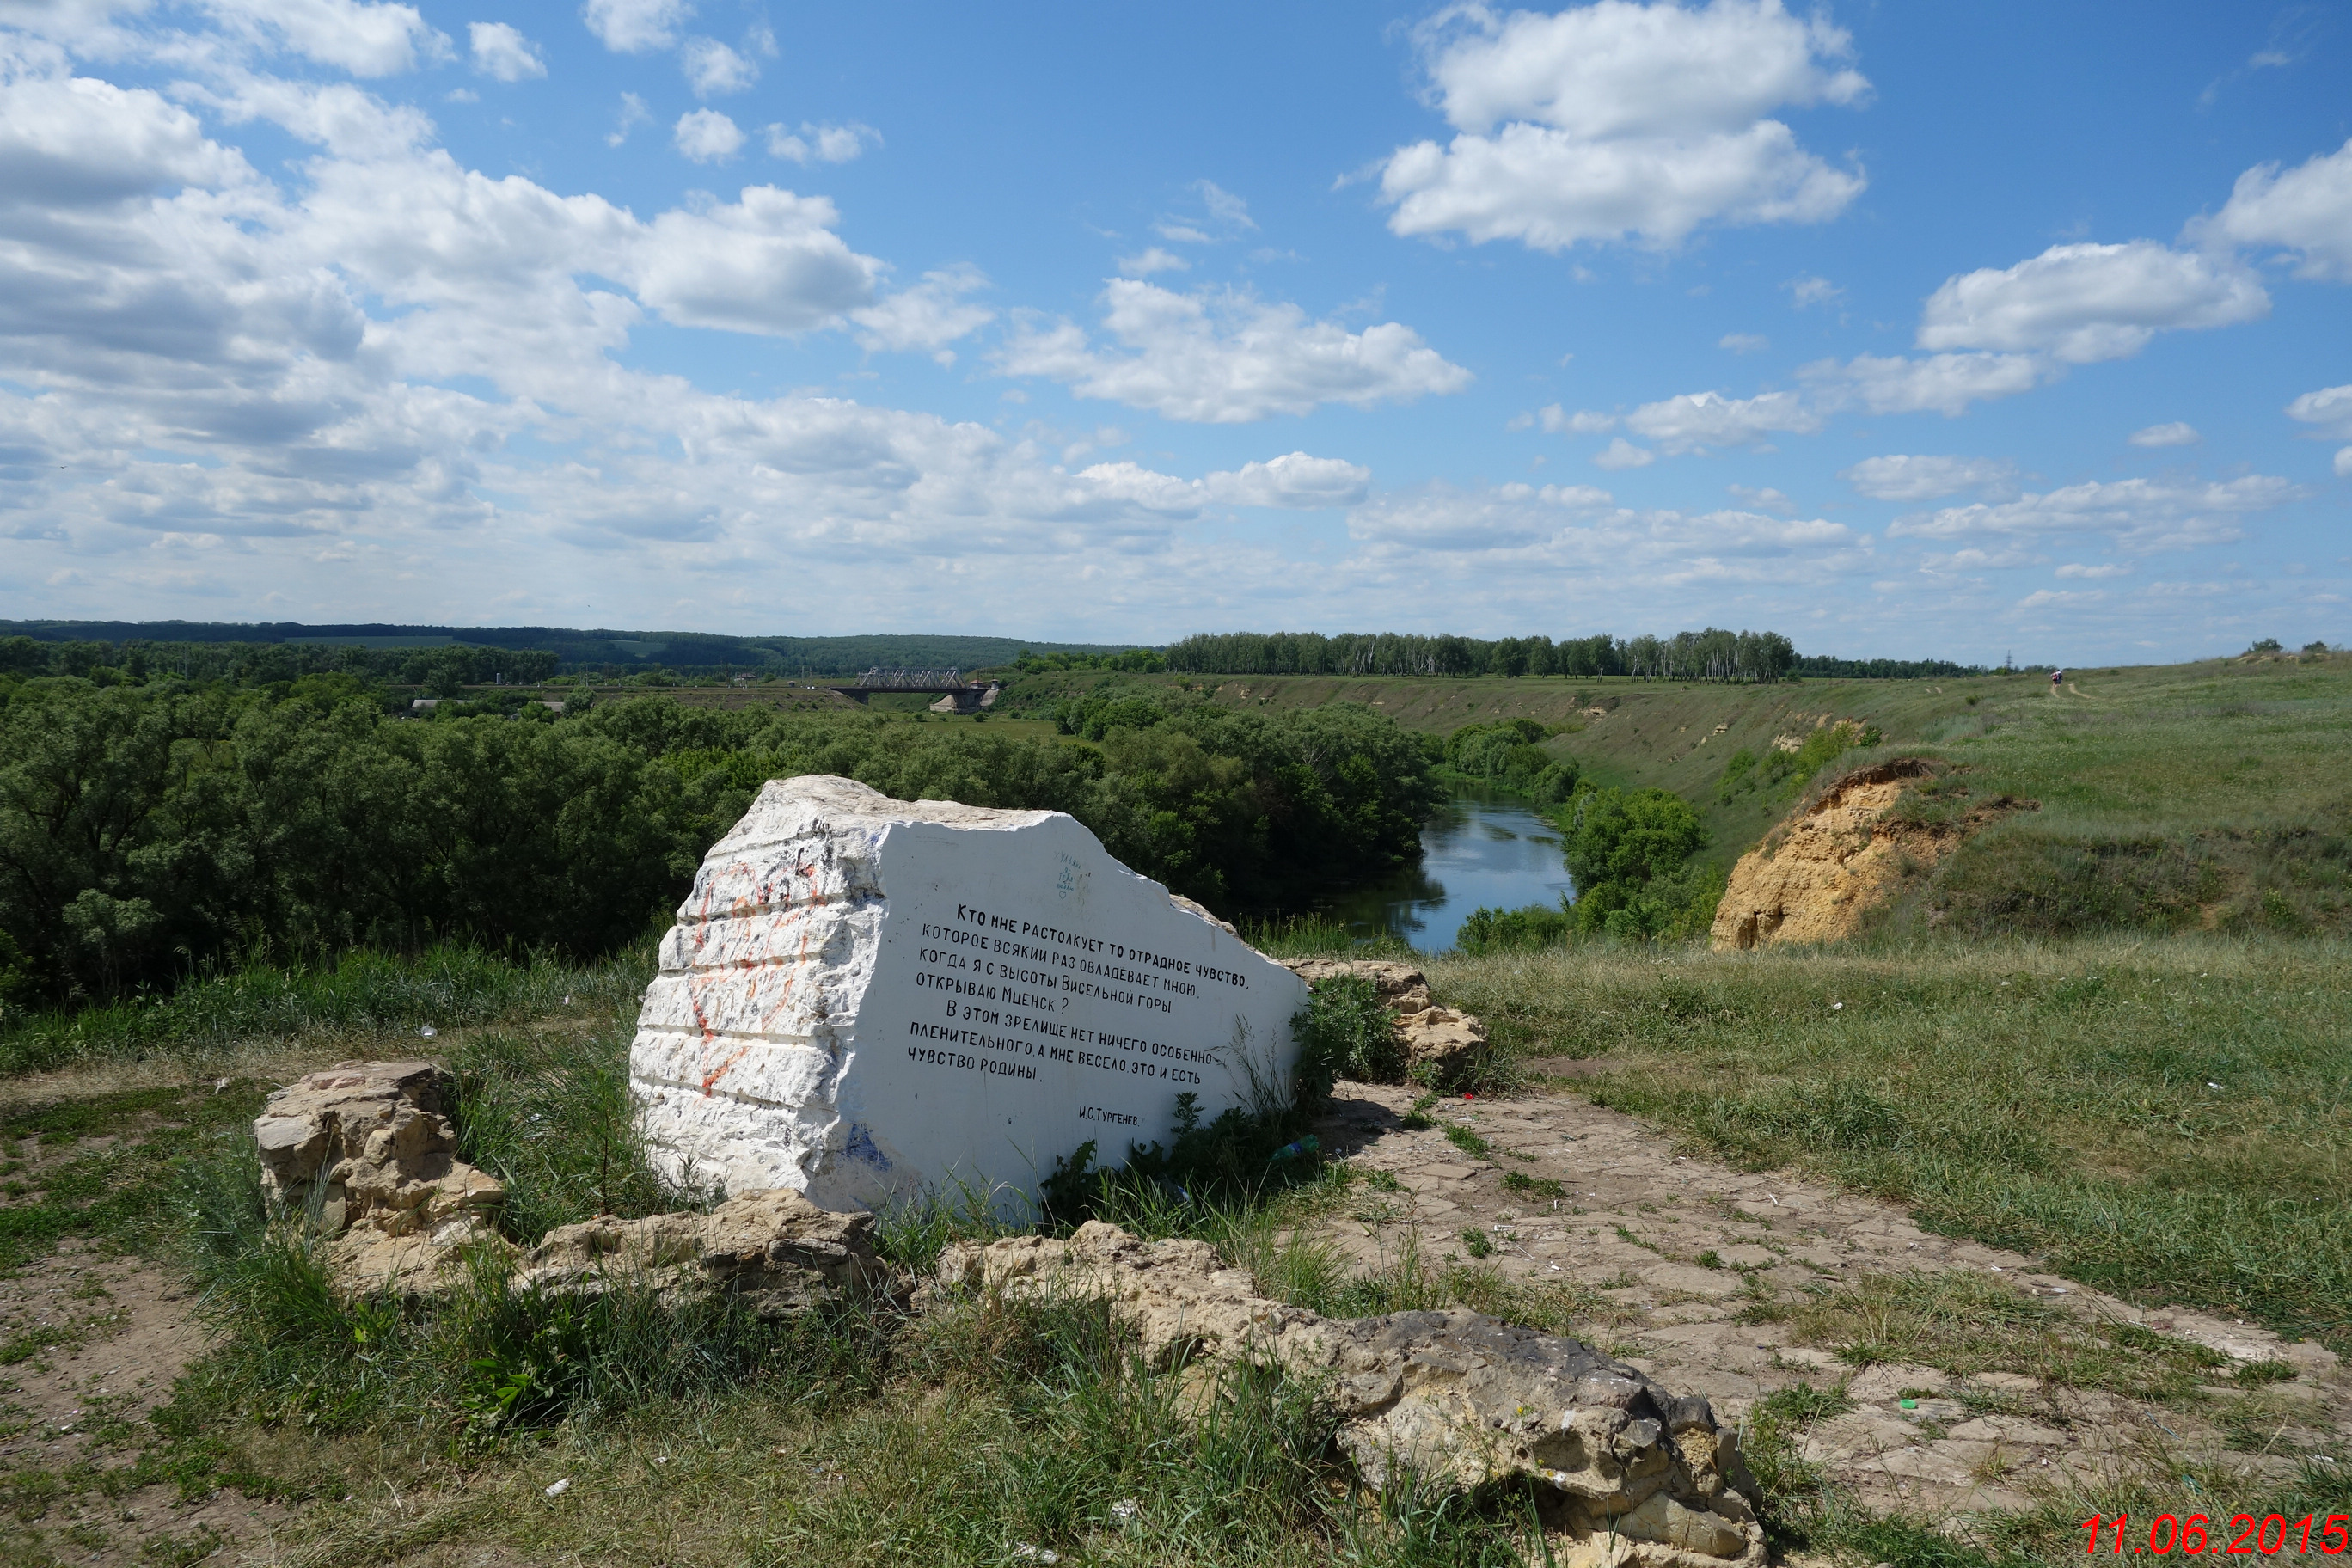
[(1347, 1031), (1318, 936)]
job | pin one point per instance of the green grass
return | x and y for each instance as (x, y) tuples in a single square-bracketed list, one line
[(1963, 1323), (2166, 1119), (362, 995), (699, 1433), (2169, 796), (2060, 1111), (115, 1194)]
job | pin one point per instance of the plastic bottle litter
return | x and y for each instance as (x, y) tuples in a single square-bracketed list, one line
[(559, 1488), (1306, 1145)]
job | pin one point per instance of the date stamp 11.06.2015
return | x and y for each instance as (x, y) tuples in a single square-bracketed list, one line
[(2196, 1533)]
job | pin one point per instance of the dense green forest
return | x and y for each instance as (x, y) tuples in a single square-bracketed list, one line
[(1710, 655), (604, 651), (151, 826), (287, 650)]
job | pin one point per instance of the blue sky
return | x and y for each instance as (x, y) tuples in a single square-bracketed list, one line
[(1911, 332)]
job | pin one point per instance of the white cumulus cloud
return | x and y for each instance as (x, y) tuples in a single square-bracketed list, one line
[(634, 26), (2138, 515), (2306, 210), (1809, 290), (711, 68), (1947, 384), (1619, 121), (929, 316), (1695, 421), (633, 113), (769, 263), (2179, 433), (821, 144), (2084, 303), (363, 39), (707, 136), (1226, 357), (1151, 260), (1584, 422), (502, 52), (1622, 454), (1295, 482), (1902, 476), (2327, 411), (76, 141)]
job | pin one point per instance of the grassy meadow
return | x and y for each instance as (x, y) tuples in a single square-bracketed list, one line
[(2161, 797), (2055, 1097), (2167, 1118), (2114, 1031)]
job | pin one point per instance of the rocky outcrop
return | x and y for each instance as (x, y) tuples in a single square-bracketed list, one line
[(1439, 1043), (1635, 1474), (1832, 861), (366, 1149), (773, 1250)]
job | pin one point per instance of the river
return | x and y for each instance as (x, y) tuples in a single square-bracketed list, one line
[(1477, 850)]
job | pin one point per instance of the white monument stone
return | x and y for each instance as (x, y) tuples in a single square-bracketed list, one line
[(865, 996)]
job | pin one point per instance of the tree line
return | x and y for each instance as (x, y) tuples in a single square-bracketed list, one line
[(150, 828), (1710, 655), (441, 670)]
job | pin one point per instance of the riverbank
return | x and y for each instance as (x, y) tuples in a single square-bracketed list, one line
[(2152, 798), (1484, 848)]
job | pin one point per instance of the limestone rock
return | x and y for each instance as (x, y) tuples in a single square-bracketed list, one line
[(864, 997), (1180, 1299), (1832, 861), (1439, 1042), (773, 1249), (366, 1146), (1639, 1475)]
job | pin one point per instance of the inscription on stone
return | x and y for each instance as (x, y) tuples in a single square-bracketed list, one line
[(863, 997)]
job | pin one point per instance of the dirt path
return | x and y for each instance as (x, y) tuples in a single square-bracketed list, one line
[(1635, 1219), (91, 1343), (76, 1411)]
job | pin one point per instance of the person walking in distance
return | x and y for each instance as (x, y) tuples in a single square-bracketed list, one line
[(2055, 677)]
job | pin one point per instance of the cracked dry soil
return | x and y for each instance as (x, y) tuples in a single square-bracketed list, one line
[(1626, 1236)]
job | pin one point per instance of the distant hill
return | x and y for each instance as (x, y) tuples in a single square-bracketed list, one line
[(589, 651)]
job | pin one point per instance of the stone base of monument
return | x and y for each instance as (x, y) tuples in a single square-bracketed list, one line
[(866, 999)]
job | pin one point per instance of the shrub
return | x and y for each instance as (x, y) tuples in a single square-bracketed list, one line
[(1628, 837), (1345, 1031), (1527, 930)]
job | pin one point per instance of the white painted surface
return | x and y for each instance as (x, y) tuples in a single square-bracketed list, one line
[(864, 997)]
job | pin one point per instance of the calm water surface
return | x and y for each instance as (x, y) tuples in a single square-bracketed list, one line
[(1489, 850)]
